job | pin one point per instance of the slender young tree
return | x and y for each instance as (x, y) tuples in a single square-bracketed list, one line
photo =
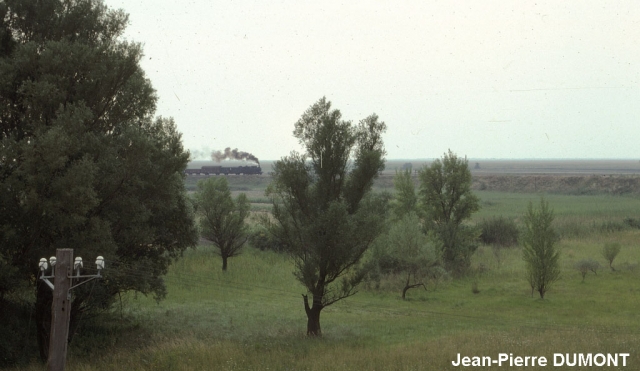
[(447, 200), (324, 214), (609, 252), (222, 220), (540, 252)]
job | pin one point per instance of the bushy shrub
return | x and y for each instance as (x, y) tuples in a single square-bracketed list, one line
[(586, 265), (261, 239), (632, 222), (474, 287), (610, 251), (15, 326), (611, 226), (499, 231), (437, 275), (575, 229), (389, 264)]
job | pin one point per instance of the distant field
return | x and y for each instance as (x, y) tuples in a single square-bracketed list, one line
[(574, 177)]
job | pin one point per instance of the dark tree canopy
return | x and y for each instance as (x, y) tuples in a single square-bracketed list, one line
[(222, 220), (325, 215), (447, 200), (83, 162)]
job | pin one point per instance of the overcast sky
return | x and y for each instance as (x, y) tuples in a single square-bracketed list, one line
[(487, 79)]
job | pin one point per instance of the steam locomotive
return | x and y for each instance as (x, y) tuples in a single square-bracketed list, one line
[(224, 170)]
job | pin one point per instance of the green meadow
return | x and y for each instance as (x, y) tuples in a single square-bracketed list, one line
[(252, 317)]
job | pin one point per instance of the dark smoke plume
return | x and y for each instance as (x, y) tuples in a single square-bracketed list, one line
[(233, 154)]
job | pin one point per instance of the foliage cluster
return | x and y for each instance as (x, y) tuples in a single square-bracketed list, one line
[(405, 200), (427, 236), (499, 231), (16, 329), (632, 222), (261, 239), (405, 250), (585, 266)]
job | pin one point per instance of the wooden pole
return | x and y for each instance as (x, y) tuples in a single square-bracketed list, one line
[(60, 310)]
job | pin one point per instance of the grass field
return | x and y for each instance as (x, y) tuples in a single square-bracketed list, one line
[(252, 317)]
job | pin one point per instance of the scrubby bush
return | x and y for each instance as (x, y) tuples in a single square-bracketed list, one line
[(499, 231), (407, 251), (626, 266), (610, 251), (586, 265), (611, 226), (632, 222), (261, 239), (437, 275), (574, 229), (15, 326), (405, 257), (474, 287)]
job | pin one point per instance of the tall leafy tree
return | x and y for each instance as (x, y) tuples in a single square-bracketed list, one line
[(222, 220), (540, 253), (83, 162), (324, 213), (405, 200), (447, 200)]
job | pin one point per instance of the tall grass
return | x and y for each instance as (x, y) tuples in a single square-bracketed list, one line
[(325, 355)]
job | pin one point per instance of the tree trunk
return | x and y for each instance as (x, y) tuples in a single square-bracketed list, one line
[(44, 299), (224, 262), (407, 286), (313, 315), (76, 315)]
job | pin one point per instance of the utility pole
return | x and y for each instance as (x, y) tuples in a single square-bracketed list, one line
[(60, 310), (62, 267)]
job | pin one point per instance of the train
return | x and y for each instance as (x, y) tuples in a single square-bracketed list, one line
[(225, 170)]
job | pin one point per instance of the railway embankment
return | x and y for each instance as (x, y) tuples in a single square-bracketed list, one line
[(561, 184)]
